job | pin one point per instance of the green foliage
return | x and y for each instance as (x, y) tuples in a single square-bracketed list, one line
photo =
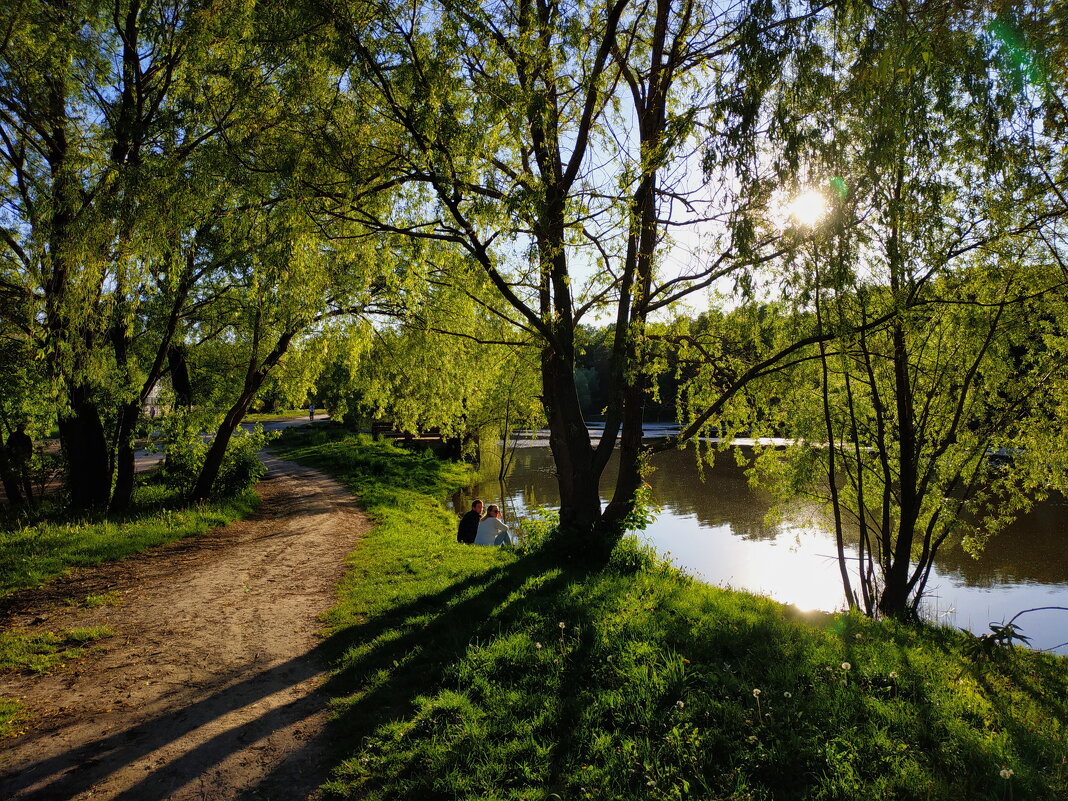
[(469, 672), (185, 449), (539, 530), (44, 651)]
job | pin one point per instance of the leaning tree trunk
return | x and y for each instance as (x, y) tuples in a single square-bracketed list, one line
[(254, 379), (214, 459)]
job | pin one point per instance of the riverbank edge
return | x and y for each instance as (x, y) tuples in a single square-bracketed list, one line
[(473, 673)]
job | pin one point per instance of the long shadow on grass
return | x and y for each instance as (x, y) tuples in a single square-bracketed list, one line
[(384, 676)]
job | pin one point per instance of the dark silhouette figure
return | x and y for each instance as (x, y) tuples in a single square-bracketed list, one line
[(20, 450), (10, 478)]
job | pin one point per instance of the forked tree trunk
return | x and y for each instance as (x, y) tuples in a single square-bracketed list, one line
[(576, 471)]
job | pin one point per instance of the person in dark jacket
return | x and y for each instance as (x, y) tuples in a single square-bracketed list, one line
[(20, 450), (468, 527)]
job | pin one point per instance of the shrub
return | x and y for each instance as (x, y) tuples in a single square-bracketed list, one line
[(186, 449), (241, 467)]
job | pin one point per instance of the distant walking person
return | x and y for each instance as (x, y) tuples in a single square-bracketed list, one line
[(492, 530), (311, 411), (468, 527), (20, 450)]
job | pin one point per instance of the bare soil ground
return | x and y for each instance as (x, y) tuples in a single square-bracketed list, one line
[(211, 686)]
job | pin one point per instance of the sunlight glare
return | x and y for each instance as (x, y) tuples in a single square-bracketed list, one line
[(807, 208)]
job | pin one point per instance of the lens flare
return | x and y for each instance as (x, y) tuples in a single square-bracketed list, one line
[(1017, 57)]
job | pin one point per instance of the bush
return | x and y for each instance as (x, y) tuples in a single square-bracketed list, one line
[(186, 449), (241, 467)]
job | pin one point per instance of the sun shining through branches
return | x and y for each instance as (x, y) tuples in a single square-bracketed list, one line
[(807, 208)]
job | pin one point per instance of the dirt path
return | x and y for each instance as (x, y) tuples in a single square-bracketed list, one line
[(210, 687)]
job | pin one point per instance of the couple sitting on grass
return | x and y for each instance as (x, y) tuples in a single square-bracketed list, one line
[(475, 529)]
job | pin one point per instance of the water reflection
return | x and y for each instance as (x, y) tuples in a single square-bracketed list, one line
[(717, 529)]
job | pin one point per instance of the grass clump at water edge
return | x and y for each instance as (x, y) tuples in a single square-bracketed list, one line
[(469, 672)]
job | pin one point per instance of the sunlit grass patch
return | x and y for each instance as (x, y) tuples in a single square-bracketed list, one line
[(32, 554), (12, 715), (478, 673), (96, 600), (44, 651)]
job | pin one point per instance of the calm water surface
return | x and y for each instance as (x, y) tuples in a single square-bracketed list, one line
[(717, 530)]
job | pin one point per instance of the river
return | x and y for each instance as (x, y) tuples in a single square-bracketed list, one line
[(716, 529)]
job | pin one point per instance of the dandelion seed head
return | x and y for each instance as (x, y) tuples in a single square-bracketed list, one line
[(1006, 773), (756, 692), (846, 666), (787, 694)]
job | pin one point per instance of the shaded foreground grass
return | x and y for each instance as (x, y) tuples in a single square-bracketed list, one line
[(469, 672)]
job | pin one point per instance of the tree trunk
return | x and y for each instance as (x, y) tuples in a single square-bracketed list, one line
[(213, 461), (894, 599), (576, 473), (631, 459), (253, 381), (122, 494), (86, 448), (180, 383)]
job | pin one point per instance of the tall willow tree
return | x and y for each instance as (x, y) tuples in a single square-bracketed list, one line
[(946, 311), (552, 144), (101, 106)]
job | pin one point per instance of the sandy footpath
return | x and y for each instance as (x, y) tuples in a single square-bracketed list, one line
[(210, 687)]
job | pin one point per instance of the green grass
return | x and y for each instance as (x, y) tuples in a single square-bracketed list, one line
[(477, 673), (44, 651), (31, 554), (284, 414), (12, 716)]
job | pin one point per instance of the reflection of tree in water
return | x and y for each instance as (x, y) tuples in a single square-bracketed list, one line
[(1031, 550), (724, 497)]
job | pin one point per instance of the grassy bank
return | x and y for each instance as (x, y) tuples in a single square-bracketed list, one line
[(477, 673)]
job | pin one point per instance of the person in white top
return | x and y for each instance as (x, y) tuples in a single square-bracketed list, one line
[(492, 531)]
